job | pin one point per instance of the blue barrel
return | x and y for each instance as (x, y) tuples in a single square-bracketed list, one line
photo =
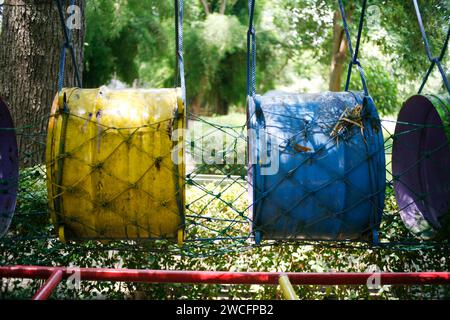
[(317, 166)]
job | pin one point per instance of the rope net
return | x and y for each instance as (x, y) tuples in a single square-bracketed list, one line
[(217, 203)]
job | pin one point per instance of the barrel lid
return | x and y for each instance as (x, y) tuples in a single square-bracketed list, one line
[(420, 162), (9, 168)]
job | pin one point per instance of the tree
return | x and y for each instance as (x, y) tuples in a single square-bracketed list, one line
[(216, 55), (134, 40), (394, 31), (129, 40), (30, 43), (338, 53)]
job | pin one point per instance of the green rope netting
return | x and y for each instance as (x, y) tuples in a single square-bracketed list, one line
[(217, 203)]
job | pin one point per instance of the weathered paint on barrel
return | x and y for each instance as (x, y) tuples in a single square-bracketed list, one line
[(110, 168), (9, 168), (331, 179), (421, 164)]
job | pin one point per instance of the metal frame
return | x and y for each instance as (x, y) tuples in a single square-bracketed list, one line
[(55, 275)]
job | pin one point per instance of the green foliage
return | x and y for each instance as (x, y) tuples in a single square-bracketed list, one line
[(228, 145), (134, 40), (216, 60), (308, 25), (390, 26), (395, 30), (121, 35), (210, 42), (101, 30), (403, 40)]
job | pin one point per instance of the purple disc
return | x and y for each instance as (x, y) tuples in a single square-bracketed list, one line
[(9, 168), (421, 164)]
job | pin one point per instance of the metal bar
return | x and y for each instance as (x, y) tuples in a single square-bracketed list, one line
[(213, 277), (46, 290), (286, 288)]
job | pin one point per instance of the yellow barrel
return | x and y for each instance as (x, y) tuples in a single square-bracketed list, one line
[(115, 164)]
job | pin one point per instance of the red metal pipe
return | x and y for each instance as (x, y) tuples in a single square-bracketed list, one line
[(46, 290), (213, 277)]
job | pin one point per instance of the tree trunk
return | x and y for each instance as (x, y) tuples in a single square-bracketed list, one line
[(195, 106), (221, 106), (339, 54), (205, 6), (30, 43), (223, 7)]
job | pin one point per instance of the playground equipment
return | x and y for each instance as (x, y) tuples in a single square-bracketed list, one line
[(317, 160), (9, 168), (111, 169), (339, 128), (421, 155)]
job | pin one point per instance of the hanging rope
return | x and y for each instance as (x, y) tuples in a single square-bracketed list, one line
[(251, 51), (180, 77), (354, 54), (67, 45), (434, 60)]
